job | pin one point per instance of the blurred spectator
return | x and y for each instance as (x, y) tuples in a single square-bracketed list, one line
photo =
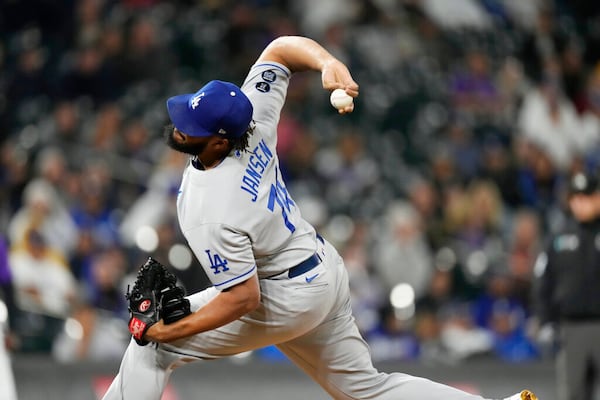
[(538, 181), (157, 202), (146, 56), (366, 293), (460, 336), (523, 245), (427, 331), (590, 131), (512, 85), (107, 126), (459, 141), (473, 89), (400, 252), (544, 43), (92, 335), (64, 129), (350, 172), (498, 165), (112, 43), (511, 343), (94, 211), (88, 76), (243, 37), (573, 74), (524, 14), (314, 17), (133, 145), (475, 219), (45, 291), (299, 166), (83, 254), (101, 316), (44, 211), (29, 79), (457, 15), (502, 313), (43, 282), (393, 339), (88, 21), (14, 177), (52, 166), (444, 321), (425, 199), (549, 120), (103, 282)]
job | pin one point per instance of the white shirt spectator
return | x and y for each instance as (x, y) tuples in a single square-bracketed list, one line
[(42, 209), (557, 132), (457, 14), (43, 283)]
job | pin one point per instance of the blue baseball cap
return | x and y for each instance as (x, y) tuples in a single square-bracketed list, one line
[(217, 108)]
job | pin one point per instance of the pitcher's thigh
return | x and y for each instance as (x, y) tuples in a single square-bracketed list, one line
[(336, 356)]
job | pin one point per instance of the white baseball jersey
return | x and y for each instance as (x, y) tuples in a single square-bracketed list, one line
[(238, 217), (240, 220)]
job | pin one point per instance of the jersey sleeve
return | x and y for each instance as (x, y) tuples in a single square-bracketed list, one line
[(266, 86), (225, 255)]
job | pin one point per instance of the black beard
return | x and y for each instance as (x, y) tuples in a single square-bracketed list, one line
[(191, 149)]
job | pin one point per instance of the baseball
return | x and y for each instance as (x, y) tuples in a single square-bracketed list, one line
[(339, 99)]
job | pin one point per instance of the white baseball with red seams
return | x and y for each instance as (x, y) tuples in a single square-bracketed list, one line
[(340, 99)]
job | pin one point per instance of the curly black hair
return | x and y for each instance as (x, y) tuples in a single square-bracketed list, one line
[(241, 143), (237, 143)]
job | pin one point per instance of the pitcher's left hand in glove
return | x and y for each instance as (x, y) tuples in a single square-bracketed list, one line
[(154, 295)]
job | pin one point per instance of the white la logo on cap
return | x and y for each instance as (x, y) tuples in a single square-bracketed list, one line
[(196, 100)]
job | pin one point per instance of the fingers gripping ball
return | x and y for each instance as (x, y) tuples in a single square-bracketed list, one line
[(340, 99), (154, 295)]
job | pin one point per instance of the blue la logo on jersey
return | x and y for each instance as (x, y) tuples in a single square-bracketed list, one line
[(217, 263)]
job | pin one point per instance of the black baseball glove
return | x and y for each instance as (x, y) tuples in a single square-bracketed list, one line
[(154, 295)]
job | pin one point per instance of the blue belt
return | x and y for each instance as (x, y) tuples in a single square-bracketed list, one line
[(307, 264), (304, 266)]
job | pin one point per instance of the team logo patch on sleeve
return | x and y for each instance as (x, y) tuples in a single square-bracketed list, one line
[(217, 263), (269, 76), (263, 87)]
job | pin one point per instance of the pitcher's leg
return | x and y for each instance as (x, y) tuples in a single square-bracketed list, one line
[(336, 356), (141, 375)]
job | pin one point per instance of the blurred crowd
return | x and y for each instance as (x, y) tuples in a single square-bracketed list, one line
[(439, 190)]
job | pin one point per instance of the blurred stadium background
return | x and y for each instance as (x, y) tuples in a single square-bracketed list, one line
[(439, 190)]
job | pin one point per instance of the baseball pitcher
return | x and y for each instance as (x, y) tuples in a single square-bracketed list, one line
[(275, 281)]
